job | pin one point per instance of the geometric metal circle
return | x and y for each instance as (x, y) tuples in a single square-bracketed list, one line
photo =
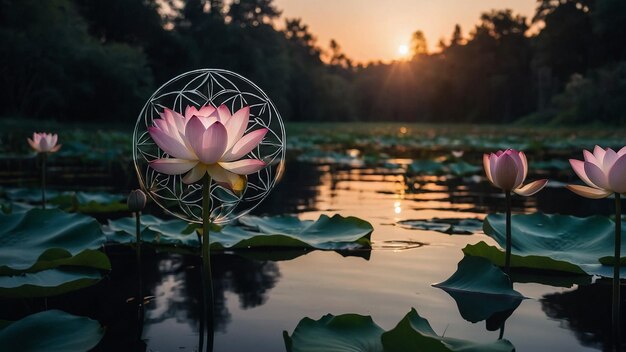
[(210, 87)]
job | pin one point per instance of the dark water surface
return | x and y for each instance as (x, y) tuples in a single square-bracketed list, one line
[(258, 295)]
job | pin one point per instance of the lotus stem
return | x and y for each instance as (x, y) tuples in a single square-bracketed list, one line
[(616, 270), (206, 259), (138, 234), (507, 260), (44, 156)]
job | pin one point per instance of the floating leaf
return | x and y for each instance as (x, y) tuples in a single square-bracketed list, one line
[(426, 167), (51, 331), (480, 289), (49, 282), (347, 332), (86, 202), (328, 233), (414, 333), (462, 168), (357, 333), (43, 239), (553, 242), (451, 226)]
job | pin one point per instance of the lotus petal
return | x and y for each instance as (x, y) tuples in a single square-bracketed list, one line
[(610, 156), (617, 175), (33, 144), (243, 167), (621, 151), (599, 153), (245, 145), (579, 169), (232, 181), (531, 188), (173, 166), (505, 173), (596, 175), (170, 145), (519, 167), (195, 174), (236, 126), (486, 165), (213, 143), (56, 148), (223, 113), (589, 157), (522, 157), (589, 192), (194, 132)]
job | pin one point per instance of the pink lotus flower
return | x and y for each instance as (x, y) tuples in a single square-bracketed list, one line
[(508, 169), (207, 141), (44, 142), (604, 171)]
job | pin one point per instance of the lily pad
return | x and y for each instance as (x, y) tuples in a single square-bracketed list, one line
[(347, 332), (49, 282), (451, 226), (426, 167), (414, 333), (357, 333), (51, 331), (85, 202), (553, 242), (42, 239), (462, 168), (327, 233), (480, 289)]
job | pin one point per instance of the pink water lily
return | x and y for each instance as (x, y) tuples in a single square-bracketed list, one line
[(44, 142), (604, 172), (207, 141), (508, 169)]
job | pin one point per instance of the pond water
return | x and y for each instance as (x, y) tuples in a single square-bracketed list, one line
[(258, 295)]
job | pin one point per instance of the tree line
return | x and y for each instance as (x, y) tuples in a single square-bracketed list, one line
[(76, 60)]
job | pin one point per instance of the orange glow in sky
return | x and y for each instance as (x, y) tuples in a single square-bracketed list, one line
[(370, 30)]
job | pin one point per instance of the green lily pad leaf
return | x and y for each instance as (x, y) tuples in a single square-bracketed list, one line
[(480, 289), (347, 332), (51, 331), (49, 282), (43, 239), (92, 202), (555, 242), (414, 333), (327, 233), (153, 230), (555, 164), (462, 168), (448, 226), (426, 167), (330, 233), (86, 202)]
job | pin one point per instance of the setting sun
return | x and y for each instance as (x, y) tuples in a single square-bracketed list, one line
[(403, 50)]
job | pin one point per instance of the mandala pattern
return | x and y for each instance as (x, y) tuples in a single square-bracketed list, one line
[(214, 87)]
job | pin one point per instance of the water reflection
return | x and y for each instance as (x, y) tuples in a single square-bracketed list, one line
[(172, 318), (586, 311)]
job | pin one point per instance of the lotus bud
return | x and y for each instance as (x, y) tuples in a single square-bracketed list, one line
[(136, 200), (507, 170)]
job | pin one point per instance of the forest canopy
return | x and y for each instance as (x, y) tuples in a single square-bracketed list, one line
[(76, 60)]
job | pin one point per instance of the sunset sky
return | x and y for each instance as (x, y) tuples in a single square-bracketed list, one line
[(376, 30)]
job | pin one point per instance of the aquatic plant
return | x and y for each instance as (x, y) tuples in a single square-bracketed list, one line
[(507, 170), (604, 172), (44, 143)]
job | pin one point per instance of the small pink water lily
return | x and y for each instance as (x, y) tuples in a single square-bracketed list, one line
[(207, 141), (507, 170), (604, 171), (44, 142)]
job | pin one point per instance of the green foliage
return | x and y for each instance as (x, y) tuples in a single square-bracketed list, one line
[(357, 333), (64, 58), (480, 289), (551, 242), (282, 232), (51, 331), (447, 226)]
